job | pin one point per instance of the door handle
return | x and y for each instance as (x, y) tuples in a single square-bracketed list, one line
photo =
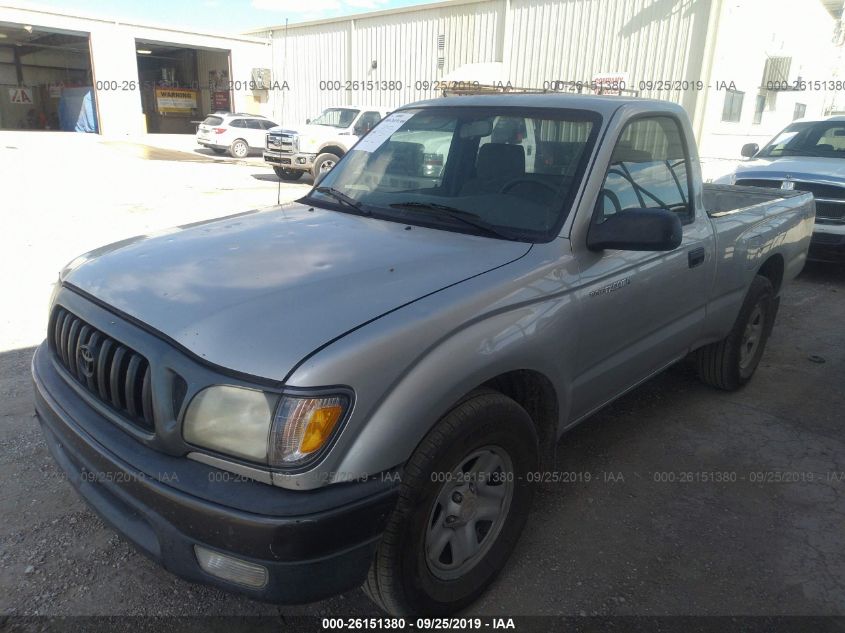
[(696, 257)]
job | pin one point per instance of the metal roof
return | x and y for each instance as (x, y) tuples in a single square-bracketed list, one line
[(366, 14)]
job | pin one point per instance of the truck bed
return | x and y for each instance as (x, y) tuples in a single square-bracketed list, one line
[(720, 200)]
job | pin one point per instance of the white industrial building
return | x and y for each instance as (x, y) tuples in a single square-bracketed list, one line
[(746, 54), (137, 78), (734, 64)]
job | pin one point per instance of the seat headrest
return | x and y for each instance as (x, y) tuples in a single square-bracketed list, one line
[(624, 153), (500, 161)]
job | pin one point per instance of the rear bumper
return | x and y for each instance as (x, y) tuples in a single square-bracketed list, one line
[(299, 162), (308, 555), (828, 245)]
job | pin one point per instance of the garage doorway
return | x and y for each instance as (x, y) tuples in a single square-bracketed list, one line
[(180, 85), (45, 80)]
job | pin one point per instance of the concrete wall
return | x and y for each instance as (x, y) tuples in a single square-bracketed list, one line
[(114, 59)]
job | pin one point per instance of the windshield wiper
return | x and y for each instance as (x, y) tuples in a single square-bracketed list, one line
[(467, 217), (341, 197)]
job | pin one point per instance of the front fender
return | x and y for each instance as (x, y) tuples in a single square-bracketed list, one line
[(411, 366)]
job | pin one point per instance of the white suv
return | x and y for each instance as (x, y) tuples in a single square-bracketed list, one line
[(236, 133)]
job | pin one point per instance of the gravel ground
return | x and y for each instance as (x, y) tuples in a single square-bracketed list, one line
[(627, 542)]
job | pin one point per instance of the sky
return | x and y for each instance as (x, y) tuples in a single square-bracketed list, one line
[(223, 16)]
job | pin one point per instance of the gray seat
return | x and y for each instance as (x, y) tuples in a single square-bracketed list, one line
[(497, 163), (625, 153), (404, 159)]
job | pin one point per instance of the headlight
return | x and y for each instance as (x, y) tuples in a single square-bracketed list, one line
[(241, 422), (231, 420)]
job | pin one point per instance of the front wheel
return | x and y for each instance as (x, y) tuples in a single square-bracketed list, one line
[(324, 163), (728, 364), (287, 174), (464, 499)]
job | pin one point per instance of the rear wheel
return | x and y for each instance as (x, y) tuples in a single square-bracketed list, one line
[(239, 148), (464, 500), (287, 174), (728, 364), (324, 163)]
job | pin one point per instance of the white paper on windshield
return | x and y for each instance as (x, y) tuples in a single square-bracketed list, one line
[(383, 131)]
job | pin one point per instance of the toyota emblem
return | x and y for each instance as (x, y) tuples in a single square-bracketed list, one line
[(85, 361)]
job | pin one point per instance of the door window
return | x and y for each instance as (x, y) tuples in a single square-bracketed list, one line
[(648, 170), (367, 122)]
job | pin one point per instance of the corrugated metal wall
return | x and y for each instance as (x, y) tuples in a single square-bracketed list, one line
[(538, 41), (302, 58)]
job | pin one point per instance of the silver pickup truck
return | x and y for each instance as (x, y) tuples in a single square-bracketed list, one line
[(365, 386)]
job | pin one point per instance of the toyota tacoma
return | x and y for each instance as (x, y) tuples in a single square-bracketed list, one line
[(362, 387)]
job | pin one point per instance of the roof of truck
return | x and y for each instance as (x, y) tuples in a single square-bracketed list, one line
[(604, 104), (819, 119)]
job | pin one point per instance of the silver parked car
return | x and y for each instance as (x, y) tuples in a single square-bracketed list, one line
[(237, 134), (368, 387)]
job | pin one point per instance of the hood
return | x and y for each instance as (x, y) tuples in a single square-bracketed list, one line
[(258, 292), (831, 170)]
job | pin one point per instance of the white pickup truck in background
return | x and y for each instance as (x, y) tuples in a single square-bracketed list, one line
[(317, 146)]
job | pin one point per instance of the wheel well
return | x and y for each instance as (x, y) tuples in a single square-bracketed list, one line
[(333, 149), (772, 269), (536, 394)]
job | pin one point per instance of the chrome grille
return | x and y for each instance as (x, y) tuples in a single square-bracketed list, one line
[(755, 182), (830, 199), (831, 210), (280, 142), (116, 374)]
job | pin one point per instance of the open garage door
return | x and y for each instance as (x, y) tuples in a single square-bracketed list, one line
[(45, 80), (180, 85)]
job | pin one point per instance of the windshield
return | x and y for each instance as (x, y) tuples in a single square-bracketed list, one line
[(500, 172), (336, 117), (820, 139)]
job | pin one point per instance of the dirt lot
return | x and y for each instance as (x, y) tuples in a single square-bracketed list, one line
[(650, 534)]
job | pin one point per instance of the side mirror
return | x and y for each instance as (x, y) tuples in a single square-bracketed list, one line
[(307, 121), (637, 230), (749, 149)]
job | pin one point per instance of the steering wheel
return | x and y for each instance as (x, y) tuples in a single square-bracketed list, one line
[(510, 184)]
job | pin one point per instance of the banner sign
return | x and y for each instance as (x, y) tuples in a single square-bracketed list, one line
[(176, 100), (21, 95)]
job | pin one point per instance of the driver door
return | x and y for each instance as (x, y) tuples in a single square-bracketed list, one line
[(639, 310)]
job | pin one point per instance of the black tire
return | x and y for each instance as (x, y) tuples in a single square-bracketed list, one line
[(287, 174), (401, 579), (324, 162), (239, 148), (218, 150), (722, 364)]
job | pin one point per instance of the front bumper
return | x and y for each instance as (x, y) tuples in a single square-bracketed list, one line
[(828, 245), (298, 161), (313, 544)]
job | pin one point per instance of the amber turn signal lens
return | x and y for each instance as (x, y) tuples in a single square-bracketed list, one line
[(320, 428), (304, 425)]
